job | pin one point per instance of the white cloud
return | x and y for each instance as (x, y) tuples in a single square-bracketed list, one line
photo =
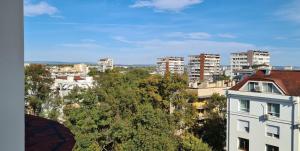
[(190, 45), (41, 8), (193, 35), (280, 38), (121, 39), (168, 5), (226, 36), (88, 40), (83, 45), (291, 11)]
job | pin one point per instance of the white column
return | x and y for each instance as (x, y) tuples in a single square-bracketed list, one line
[(11, 76)]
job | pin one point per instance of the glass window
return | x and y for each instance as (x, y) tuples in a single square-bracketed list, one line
[(274, 109), (252, 86), (244, 105), (272, 148), (273, 131), (243, 144), (270, 88), (243, 126)]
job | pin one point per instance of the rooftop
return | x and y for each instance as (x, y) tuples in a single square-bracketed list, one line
[(287, 80)]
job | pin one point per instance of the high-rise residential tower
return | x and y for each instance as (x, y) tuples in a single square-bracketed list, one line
[(170, 65), (203, 67), (249, 59)]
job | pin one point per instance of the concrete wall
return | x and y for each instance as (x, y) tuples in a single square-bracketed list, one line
[(11, 76), (257, 133)]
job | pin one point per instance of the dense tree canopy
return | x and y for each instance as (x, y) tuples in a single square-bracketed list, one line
[(129, 109), (132, 111), (37, 87)]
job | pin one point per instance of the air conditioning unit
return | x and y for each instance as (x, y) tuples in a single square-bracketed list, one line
[(266, 117)]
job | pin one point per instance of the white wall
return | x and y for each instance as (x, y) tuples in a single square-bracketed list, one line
[(257, 134), (11, 76)]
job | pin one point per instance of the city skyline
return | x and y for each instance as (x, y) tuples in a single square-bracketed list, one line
[(139, 31)]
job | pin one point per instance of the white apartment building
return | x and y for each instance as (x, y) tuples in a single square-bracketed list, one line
[(64, 84), (263, 112), (170, 64), (105, 64), (203, 67), (249, 58)]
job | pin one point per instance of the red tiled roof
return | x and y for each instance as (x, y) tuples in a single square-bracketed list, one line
[(46, 135), (287, 80), (76, 78), (62, 77)]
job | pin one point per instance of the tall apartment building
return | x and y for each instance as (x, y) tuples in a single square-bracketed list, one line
[(203, 67), (105, 64), (170, 65), (263, 112), (249, 58)]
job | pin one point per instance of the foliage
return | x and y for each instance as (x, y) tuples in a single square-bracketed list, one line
[(213, 130), (131, 111), (37, 86), (192, 143), (93, 72)]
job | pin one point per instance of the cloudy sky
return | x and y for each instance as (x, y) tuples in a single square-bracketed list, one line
[(139, 31)]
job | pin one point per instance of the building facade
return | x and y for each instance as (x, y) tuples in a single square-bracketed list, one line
[(64, 84), (172, 65), (263, 112), (249, 58), (105, 64), (203, 67)]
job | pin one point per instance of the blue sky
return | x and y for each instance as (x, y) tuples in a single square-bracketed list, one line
[(139, 31)]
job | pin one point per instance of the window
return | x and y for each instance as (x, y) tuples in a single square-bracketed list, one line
[(274, 109), (244, 105), (273, 131), (270, 88), (252, 86), (243, 144), (243, 126), (272, 148)]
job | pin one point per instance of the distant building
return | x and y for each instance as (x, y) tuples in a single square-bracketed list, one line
[(203, 67), (64, 84), (263, 112), (26, 64), (105, 64), (250, 58), (81, 68), (75, 70), (170, 65)]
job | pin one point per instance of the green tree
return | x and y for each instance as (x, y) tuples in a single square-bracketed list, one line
[(130, 111), (38, 82), (192, 143), (213, 130)]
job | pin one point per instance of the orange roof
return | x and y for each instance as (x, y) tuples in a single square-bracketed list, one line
[(287, 80)]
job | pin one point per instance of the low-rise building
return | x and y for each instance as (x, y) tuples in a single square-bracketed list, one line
[(105, 64), (263, 112), (205, 92), (64, 84), (172, 65)]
